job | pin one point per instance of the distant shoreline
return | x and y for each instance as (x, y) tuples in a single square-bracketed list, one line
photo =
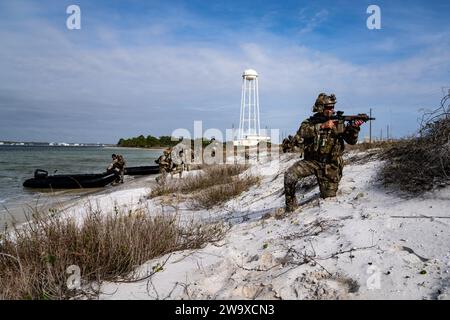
[(20, 162), (152, 148)]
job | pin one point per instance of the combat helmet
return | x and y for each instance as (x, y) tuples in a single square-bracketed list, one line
[(322, 101)]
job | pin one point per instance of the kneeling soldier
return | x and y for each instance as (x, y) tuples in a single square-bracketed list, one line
[(323, 149)]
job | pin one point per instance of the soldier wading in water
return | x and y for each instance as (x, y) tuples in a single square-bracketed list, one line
[(323, 149)]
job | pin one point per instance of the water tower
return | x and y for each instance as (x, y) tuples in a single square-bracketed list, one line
[(249, 133)]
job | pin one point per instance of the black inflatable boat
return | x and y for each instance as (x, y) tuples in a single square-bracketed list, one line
[(69, 181), (138, 171)]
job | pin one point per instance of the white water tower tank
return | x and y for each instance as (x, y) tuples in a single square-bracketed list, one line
[(250, 74)]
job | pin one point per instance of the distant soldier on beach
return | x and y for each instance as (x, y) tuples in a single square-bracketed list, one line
[(323, 142), (112, 165), (214, 143), (290, 144), (117, 165), (286, 144), (121, 166), (189, 157), (178, 165), (165, 164)]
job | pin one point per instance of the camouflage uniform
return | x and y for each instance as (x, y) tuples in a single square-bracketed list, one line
[(178, 168), (113, 165), (323, 149), (188, 162), (165, 164), (287, 144), (117, 165), (120, 165)]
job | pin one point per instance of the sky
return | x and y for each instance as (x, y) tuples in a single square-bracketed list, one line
[(150, 67)]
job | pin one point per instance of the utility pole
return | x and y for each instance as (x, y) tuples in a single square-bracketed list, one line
[(381, 134), (387, 135), (370, 127)]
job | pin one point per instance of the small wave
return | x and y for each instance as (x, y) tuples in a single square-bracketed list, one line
[(6, 178)]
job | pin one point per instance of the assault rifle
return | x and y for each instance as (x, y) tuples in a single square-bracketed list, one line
[(339, 116), (340, 119)]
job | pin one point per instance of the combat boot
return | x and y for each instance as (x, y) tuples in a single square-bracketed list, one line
[(291, 208), (291, 204)]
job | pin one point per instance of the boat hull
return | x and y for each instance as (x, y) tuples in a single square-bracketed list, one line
[(75, 181), (139, 171)]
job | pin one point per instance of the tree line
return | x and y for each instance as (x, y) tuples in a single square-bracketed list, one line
[(147, 142), (154, 142)]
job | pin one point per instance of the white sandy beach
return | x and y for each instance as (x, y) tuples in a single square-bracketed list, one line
[(367, 243)]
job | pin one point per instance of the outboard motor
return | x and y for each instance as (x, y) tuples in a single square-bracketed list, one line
[(40, 174)]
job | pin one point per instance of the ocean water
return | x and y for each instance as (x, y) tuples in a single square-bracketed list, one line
[(17, 163)]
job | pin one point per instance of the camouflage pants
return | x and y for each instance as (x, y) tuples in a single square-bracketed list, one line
[(163, 174), (328, 177), (120, 173)]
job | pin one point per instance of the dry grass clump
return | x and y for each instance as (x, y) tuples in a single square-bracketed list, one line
[(421, 163), (215, 185), (35, 256), (364, 152), (211, 176), (219, 194)]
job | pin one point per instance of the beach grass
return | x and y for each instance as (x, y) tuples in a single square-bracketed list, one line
[(215, 185), (221, 193), (35, 256), (210, 176)]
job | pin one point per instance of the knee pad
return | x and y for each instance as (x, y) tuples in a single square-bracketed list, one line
[(328, 189)]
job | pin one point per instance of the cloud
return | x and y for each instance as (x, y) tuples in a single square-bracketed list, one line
[(313, 22), (105, 82)]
